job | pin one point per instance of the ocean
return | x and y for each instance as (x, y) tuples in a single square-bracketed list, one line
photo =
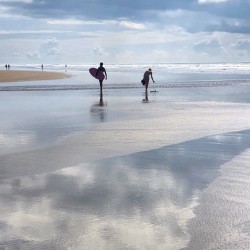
[(175, 75)]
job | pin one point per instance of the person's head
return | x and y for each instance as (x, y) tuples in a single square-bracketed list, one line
[(101, 63), (150, 69)]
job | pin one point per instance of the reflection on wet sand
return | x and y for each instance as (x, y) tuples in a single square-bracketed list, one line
[(145, 99), (140, 201), (97, 108)]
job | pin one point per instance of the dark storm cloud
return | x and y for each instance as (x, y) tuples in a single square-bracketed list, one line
[(139, 11), (93, 9), (124, 8), (236, 27), (231, 9)]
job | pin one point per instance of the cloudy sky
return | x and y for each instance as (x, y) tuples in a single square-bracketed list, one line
[(124, 31)]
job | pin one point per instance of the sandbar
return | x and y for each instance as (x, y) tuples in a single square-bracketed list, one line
[(20, 76)]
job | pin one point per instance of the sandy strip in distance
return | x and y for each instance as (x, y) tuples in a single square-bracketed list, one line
[(20, 76)]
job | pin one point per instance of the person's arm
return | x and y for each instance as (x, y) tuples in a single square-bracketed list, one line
[(152, 77), (106, 77)]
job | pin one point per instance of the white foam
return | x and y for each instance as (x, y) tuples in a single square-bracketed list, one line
[(225, 68)]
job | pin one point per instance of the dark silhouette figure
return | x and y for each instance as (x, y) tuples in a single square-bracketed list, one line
[(42, 67), (103, 70), (147, 74), (6, 66)]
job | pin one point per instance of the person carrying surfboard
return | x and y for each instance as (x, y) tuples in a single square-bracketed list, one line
[(103, 70), (146, 76)]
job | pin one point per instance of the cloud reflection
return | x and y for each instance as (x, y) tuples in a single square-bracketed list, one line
[(139, 201)]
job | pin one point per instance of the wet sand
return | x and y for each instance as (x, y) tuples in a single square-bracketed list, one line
[(118, 172), (20, 76)]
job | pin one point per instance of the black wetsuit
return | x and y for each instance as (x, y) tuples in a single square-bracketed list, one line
[(102, 69)]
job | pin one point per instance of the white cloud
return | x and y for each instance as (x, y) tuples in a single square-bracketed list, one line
[(156, 33), (172, 13), (52, 41), (126, 56), (131, 25), (211, 1), (33, 55), (73, 21), (17, 1), (211, 46), (53, 51), (243, 45), (65, 22), (49, 48), (100, 51), (25, 32)]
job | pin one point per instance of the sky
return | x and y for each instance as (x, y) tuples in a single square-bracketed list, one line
[(124, 31)]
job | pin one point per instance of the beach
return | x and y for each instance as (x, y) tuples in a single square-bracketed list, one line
[(122, 170), (20, 75)]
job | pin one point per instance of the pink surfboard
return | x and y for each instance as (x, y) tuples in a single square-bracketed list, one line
[(99, 76)]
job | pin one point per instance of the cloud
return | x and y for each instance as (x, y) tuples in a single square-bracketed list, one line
[(130, 9), (136, 26), (17, 1), (230, 26), (211, 47), (53, 51), (211, 1), (69, 21), (33, 55), (100, 51), (126, 56), (49, 48), (243, 45), (131, 25)]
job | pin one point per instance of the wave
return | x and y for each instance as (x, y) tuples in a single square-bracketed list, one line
[(225, 68), (192, 84)]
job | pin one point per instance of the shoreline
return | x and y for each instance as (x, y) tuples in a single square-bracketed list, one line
[(25, 75)]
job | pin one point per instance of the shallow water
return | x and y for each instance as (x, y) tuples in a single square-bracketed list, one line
[(187, 195), (31, 119), (144, 200), (82, 80)]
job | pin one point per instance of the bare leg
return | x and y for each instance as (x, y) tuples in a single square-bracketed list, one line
[(100, 85)]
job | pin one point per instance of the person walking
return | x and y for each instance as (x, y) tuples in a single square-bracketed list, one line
[(148, 73), (103, 70)]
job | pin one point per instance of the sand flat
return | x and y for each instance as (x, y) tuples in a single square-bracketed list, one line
[(19, 76), (176, 172)]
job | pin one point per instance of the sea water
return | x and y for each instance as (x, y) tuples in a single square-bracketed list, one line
[(129, 76)]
